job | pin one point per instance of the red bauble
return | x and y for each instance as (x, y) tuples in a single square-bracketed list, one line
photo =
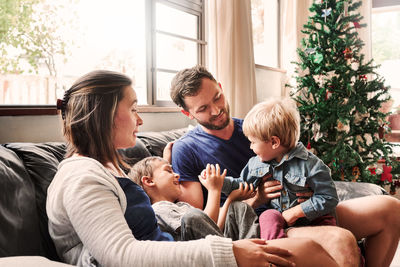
[(356, 25), (309, 145)]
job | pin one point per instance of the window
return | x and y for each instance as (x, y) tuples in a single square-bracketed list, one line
[(265, 19), (385, 43), (148, 40)]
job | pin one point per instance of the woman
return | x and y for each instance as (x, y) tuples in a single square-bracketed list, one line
[(86, 205)]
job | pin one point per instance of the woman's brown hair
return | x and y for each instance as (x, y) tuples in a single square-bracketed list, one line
[(88, 110)]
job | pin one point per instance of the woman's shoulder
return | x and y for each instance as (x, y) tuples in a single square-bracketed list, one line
[(84, 170)]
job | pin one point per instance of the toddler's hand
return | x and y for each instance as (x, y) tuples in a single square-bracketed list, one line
[(211, 178), (243, 192)]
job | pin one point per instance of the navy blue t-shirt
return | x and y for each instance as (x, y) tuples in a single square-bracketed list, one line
[(139, 213), (192, 152)]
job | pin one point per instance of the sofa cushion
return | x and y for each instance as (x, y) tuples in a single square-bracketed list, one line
[(156, 141), (133, 154), (349, 190), (41, 161), (18, 217)]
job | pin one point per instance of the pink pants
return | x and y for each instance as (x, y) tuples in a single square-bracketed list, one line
[(272, 224)]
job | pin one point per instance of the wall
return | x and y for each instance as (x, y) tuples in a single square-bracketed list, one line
[(48, 128), (269, 83)]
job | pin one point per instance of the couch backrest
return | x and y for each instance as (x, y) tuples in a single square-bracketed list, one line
[(19, 222), (26, 170)]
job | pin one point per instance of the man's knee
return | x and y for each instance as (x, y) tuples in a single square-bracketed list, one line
[(391, 215)]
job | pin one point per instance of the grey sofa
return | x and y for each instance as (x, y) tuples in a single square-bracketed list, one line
[(26, 170)]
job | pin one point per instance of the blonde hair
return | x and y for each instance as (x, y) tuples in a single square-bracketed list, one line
[(274, 117), (142, 168)]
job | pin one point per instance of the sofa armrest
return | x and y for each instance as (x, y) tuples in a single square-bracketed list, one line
[(349, 190)]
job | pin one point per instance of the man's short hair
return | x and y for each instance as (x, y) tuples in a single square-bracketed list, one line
[(187, 82), (142, 168), (274, 117)]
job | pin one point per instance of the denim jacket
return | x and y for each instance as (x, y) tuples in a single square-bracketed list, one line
[(298, 171)]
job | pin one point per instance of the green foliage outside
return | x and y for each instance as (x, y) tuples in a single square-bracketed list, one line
[(29, 36), (339, 96)]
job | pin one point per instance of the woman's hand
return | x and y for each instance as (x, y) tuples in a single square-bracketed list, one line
[(212, 178), (167, 152), (257, 252), (245, 191)]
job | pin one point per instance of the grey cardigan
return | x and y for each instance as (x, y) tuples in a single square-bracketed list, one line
[(86, 206)]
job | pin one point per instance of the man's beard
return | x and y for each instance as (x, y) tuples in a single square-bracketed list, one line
[(209, 124)]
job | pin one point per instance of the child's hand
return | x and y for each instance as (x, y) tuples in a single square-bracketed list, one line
[(211, 178), (167, 152), (243, 192), (291, 215)]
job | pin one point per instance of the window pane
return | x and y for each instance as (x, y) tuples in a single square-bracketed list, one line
[(172, 20), (98, 35), (175, 53), (163, 85), (265, 31), (385, 43)]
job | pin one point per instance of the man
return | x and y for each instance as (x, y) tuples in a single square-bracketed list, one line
[(219, 139)]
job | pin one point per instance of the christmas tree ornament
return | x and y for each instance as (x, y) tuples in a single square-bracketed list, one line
[(363, 77), (316, 132), (317, 58), (341, 127), (309, 145), (347, 53), (310, 50), (381, 132), (356, 173), (386, 174), (392, 189), (328, 94), (368, 139), (326, 12), (319, 80), (356, 25), (342, 174), (372, 170)]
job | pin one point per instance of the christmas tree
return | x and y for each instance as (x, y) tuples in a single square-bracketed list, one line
[(339, 96)]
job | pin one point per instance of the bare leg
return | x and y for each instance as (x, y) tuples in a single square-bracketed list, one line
[(305, 251), (338, 242), (377, 218)]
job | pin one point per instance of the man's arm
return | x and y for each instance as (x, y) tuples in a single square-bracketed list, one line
[(192, 193)]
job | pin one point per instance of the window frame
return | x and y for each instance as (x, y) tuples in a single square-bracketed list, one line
[(193, 7)]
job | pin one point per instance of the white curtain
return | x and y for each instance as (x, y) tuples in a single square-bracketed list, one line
[(230, 52)]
